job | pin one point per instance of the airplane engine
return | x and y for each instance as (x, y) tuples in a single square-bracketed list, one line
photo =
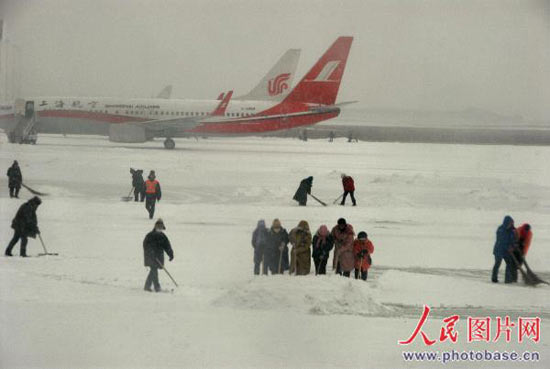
[(127, 133)]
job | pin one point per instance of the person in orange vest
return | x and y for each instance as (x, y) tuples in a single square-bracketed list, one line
[(152, 193)]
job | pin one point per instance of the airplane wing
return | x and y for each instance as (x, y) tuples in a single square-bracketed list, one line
[(183, 124), (161, 125)]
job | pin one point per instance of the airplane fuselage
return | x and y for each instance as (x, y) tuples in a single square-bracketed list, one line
[(93, 115)]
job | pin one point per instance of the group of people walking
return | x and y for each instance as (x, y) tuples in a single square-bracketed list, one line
[(511, 246), (271, 251), (146, 190)]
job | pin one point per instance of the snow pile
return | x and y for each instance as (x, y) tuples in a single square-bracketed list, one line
[(352, 299), (322, 295)]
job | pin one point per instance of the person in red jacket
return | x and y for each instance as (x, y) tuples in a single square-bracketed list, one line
[(152, 193), (349, 188), (525, 235), (362, 249)]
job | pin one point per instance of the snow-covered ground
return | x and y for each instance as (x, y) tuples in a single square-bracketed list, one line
[(430, 210)]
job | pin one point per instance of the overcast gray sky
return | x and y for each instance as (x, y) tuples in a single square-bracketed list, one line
[(430, 55)]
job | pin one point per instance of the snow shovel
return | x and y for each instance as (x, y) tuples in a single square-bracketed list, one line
[(34, 192), (44, 247), (293, 267), (163, 268), (280, 261), (281, 257), (319, 201), (532, 275), (336, 256), (127, 198), (339, 197), (530, 278)]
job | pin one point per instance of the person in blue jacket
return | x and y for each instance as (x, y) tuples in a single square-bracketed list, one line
[(506, 238)]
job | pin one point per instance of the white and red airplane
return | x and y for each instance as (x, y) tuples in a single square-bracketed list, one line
[(311, 101)]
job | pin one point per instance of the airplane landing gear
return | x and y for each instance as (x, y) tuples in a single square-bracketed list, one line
[(169, 144)]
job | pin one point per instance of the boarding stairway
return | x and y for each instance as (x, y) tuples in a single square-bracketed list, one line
[(24, 129)]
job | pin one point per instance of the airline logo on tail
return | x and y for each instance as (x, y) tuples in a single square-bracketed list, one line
[(277, 85), (321, 84), (328, 69)]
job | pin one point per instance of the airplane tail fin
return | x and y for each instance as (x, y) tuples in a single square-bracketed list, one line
[(321, 84), (276, 83), (165, 93), (220, 109)]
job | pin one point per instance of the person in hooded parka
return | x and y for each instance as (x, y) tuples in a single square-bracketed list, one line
[(277, 248), (259, 243), (300, 257)]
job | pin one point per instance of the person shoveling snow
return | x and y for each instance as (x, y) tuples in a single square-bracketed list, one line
[(24, 225)]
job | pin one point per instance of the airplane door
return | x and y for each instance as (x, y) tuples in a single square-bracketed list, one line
[(29, 109)]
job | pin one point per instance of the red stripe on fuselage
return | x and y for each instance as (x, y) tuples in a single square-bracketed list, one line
[(264, 125)]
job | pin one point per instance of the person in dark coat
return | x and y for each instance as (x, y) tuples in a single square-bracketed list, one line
[(152, 193), (139, 184), (155, 245), (15, 178), (349, 188), (277, 248), (303, 191), (506, 239), (259, 243), (24, 225), (321, 244)]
